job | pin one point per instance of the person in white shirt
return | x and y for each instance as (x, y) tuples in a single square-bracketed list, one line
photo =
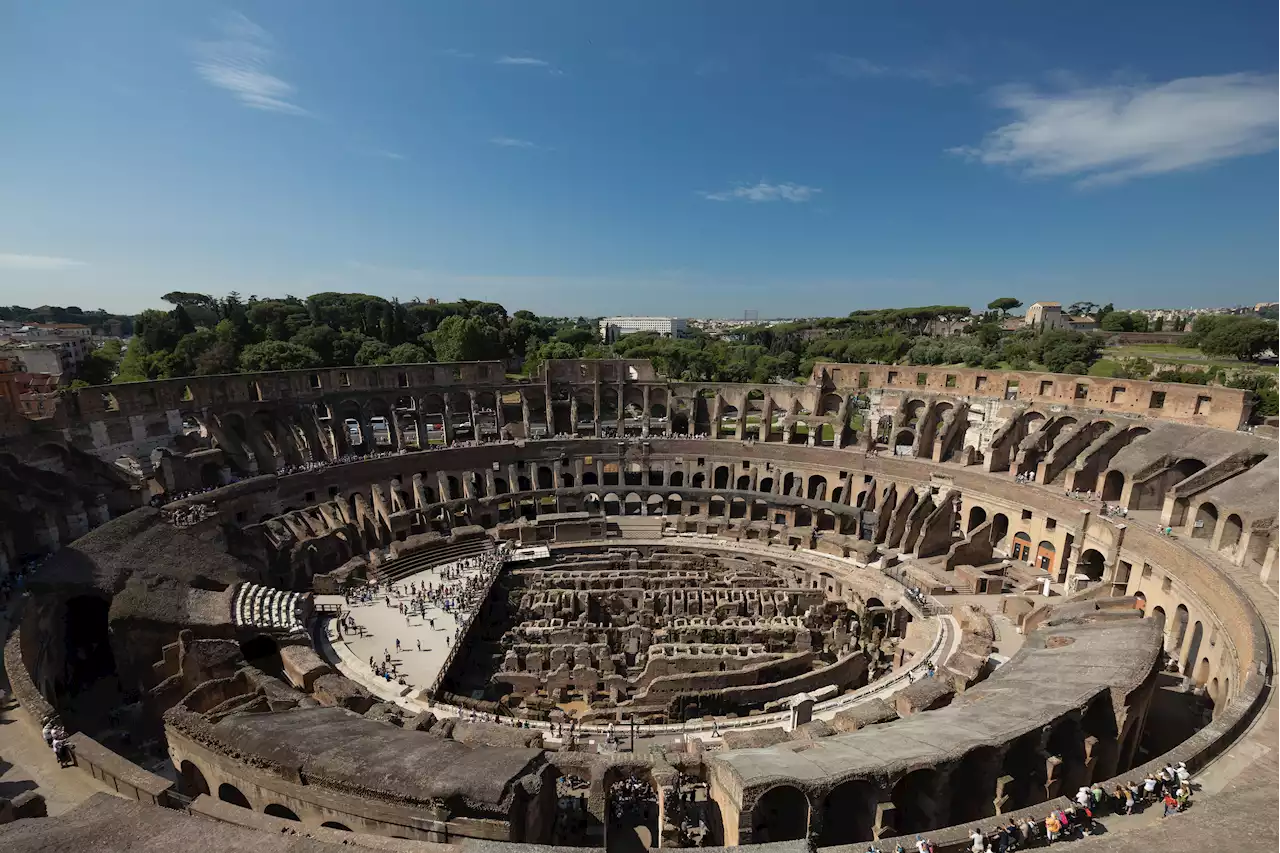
[(979, 844)]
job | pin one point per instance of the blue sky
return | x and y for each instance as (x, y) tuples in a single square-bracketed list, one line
[(683, 158)]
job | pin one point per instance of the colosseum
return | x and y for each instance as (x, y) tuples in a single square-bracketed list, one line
[(408, 606)]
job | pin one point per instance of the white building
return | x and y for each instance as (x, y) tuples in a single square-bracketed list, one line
[(612, 328)]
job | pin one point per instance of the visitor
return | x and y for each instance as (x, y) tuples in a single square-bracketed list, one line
[(1183, 774), (419, 645), (977, 843), (1183, 797), (1170, 805), (1052, 826)]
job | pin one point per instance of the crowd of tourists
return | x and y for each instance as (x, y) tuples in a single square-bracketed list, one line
[(462, 586), (55, 737)]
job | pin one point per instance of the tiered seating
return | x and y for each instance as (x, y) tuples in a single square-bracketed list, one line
[(445, 552), (257, 606)]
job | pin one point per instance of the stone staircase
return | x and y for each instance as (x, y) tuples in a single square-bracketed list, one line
[(448, 552), (257, 606), (638, 527)]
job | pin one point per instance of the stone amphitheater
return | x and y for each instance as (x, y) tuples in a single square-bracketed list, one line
[(890, 603)]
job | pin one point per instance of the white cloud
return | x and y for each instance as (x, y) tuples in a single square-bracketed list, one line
[(238, 63), (522, 60), (388, 155), (861, 68), (1110, 134), (764, 192), (511, 142), (39, 263)]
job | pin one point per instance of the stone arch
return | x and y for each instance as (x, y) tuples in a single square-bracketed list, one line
[(632, 504), (765, 485), (738, 508), (977, 516), (277, 810), (999, 528), (913, 797), (193, 782), (333, 824), (1205, 522), (848, 813), (904, 438), (1232, 528), (829, 405), (673, 504), (781, 814), (1157, 613), (1113, 485), (699, 481), (720, 477), (1202, 672), (1092, 564), (676, 479), (716, 506), (817, 488), (653, 505), (1046, 556), (1022, 546), (1178, 630), (229, 793), (612, 505), (975, 798)]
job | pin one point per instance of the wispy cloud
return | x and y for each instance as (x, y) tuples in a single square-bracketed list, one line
[(387, 155), (37, 263), (861, 68), (763, 192), (1111, 134), (522, 60), (511, 142), (238, 62)]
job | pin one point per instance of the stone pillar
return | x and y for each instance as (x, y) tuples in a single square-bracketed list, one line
[(742, 418), (644, 416), (1001, 802), (573, 416), (621, 428), (524, 415), (499, 421), (766, 419), (448, 421), (475, 419), (886, 820), (595, 413), (716, 408), (801, 711)]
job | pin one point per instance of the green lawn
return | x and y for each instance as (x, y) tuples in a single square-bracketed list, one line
[(1182, 356)]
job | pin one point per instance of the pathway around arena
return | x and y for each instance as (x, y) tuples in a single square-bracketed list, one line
[(27, 763), (384, 624)]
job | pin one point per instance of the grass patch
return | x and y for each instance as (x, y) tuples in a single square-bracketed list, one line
[(1105, 367)]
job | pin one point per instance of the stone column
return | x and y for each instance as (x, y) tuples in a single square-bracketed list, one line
[(573, 416), (621, 428), (716, 408), (644, 416), (742, 418), (499, 421), (475, 418), (766, 419), (595, 413), (448, 421), (524, 415)]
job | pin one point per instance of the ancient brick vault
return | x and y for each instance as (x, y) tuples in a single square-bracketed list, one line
[(632, 611)]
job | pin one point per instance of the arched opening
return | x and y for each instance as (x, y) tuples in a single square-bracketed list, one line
[(1231, 530), (333, 824), (1022, 546), (782, 814), (192, 780), (976, 797), (264, 653), (977, 516), (848, 814), (677, 479), (817, 488), (1193, 648), (88, 644), (1178, 630), (999, 528), (1046, 556), (1091, 564), (546, 480), (1112, 486), (1157, 613), (1202, 672), (1206, 521), (229, 793), (914, 797), (720, 478), (277, 810)]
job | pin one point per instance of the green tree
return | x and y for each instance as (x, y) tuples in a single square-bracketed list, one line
[(1116, 321), (408, 354), (1159, 324), (373, 352), (1004, 305), (460, 339), (320, 338), (1232, 335), (277, 355)]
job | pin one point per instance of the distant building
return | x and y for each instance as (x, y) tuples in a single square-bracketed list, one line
[(56, 358), (947, 328), (612, 328), (1047, 316)]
